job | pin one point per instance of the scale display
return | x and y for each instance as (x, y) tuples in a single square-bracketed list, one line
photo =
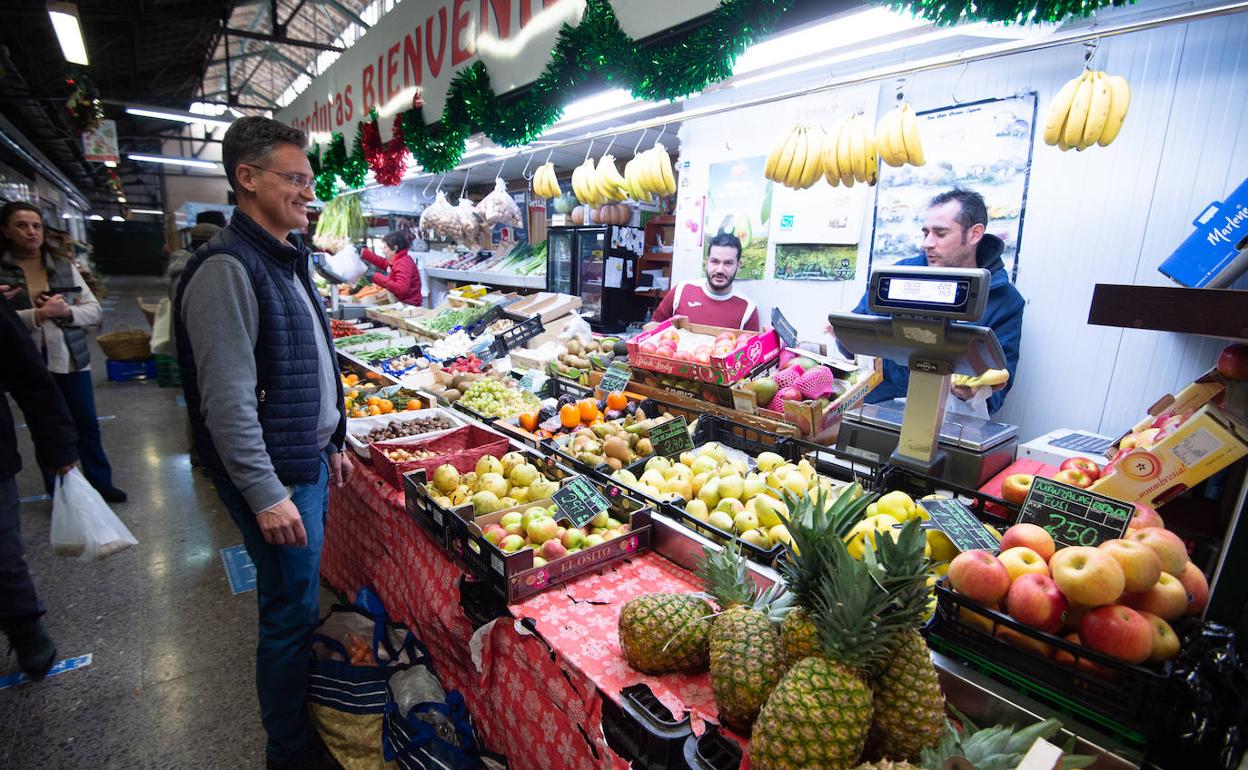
[(944, 292), (957, 294)]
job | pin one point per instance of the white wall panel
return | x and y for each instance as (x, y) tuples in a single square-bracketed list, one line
[(1107, 215)]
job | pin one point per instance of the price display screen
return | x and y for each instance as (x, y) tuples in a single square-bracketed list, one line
[(913, 290)]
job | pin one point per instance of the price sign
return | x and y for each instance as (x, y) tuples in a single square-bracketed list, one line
[(533, 381), (788, 335), (671, 437), (1075, 516), (615, 379), (966, 532), (580, 501)]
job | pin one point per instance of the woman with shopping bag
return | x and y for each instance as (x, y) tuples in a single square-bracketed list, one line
[(56, 306), (403, 280)]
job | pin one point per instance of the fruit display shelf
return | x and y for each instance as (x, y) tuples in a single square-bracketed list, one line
[(488, 278)]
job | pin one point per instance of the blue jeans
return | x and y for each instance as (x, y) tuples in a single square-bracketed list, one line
[(288, 592), (79, 396), (18, 600)]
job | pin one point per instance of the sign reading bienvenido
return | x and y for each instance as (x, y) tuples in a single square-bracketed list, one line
[(580, 501), (957, 521), (671, 437), (1075, 516)]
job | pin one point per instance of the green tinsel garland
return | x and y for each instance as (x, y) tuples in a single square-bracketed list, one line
[(1005, 11)]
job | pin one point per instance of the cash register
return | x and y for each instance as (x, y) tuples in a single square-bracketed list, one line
[(927, 324)]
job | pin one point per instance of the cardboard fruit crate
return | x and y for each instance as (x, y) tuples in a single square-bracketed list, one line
[(720, 370)]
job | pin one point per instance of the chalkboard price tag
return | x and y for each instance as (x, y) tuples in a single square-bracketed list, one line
[(1075, 516), (615, 379), (966, 532), (671, 437), (580, 501), (788, 335)]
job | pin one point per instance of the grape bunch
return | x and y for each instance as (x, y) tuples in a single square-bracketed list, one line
[(492, 398)]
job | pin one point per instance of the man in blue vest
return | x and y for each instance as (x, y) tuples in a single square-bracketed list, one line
[(953, 236), (266, 408)]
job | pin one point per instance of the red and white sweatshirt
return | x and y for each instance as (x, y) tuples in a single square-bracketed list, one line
[(694, 300)]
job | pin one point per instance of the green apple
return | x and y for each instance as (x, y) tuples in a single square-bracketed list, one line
[(602, 521), (539, 561), (541, 530), (720, 520), (593, 540), (532, 515), (512, 543), (511, 517)]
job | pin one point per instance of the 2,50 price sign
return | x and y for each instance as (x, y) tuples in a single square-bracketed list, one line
[(1075, 516)]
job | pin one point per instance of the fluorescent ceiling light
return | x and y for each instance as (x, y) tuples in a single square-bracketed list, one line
[(121, 199), (840, 32), (178, 116), (65, 216), (155, 212), (117, 218), (96, 218), (68, 30), (110, 164), (171, 161)]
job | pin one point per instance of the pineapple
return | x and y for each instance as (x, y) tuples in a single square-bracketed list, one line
[(888, 764), (819, 713), (660, 633), (909, 707), (746, 658), (995, 748)]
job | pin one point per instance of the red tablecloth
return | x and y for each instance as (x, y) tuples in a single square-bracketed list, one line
[(1021, 465), (535, 698)]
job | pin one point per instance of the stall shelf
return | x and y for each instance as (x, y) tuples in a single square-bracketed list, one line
[(488, 278)]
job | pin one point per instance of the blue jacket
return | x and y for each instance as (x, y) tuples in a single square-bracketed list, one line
[(287, 374), (1004, 315)]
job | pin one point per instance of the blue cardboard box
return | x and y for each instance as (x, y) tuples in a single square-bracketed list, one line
[(1204, 259)]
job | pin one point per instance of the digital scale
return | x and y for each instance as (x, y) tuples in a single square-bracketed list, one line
[(916, 328)]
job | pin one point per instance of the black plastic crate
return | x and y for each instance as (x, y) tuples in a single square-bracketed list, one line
[(643, 731), (1122, 699), (479, 602), (430, 516), (841, 466), (524, 329), (711, 751), (988, 509)]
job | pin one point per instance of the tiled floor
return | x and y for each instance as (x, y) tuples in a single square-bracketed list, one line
[(171, 685)]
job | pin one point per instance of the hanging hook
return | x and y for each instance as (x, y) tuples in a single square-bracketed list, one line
[(550, 154), (525, 173), (1089, 50), (501, 166), (425, 192), (639, 141), (662, 131), (589, 149), (610, 144), (463, 190)]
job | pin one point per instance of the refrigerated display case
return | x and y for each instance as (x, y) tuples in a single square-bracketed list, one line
[(581, 261)]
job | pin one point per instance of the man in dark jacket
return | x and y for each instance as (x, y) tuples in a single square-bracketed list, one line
[(269, 425), (56, 446), (953, 236)]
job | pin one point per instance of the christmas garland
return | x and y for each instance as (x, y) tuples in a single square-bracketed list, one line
[(1003, 11)]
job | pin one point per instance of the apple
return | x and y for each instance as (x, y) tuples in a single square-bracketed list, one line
[(1165, 641), (1073, 477), (1034, 600), (1233, 362), (1031, 536), (1087, 576), (514, 528), (1119, 632), (553, 549), (1085, 464), (543, 530), (1015, 487), (648, 348), (592, 541), (1023, 641), (512, 543), (1145, 516), (979, 576), (1147, 437), (1197, 587), (513, 517), (1086, 665), (1140, 565), (1168, 546), (1021, 560), (572, 538), (600, 520), (683, 355), (495, 533), (1166, 599)]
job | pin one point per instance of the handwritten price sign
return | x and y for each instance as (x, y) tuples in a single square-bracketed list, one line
[(1075, 516)]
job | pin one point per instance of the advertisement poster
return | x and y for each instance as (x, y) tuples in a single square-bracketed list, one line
[(816, 262), (690, 210), (821, 214), (738, 201), (985, 147), (100, 145)]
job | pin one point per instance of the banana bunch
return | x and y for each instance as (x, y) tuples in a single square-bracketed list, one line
[(897, 137), (650, 173), (797, 161), (853, 155), (544, 182), (1088, 110), (610, 183), (585, 184), (991, 378)]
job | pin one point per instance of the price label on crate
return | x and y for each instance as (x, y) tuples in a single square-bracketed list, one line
[(788, 335), (533, 381), (671, 437), (1075, 516), (615, 379), (580, 501), (966, 532)]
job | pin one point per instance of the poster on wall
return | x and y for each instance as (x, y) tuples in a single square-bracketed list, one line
[(820, 214), (691, 210), (738, 201), (816, 262), (983, 146)]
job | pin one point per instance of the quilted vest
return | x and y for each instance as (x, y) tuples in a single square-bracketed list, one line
[(60, 274), (287, 379)]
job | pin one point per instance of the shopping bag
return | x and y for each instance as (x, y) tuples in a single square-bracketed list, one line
[(82, 523), (346, 264), (976, 405), (162, 329), (427, 728)]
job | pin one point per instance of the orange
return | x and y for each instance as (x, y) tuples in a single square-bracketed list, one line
[(374, 410), (528, 421), (617, 401), (387, 406), (569, 416), (413, 405), (587, 409)]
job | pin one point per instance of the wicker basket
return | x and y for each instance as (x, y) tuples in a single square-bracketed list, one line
[(126, 345), (149, 310)]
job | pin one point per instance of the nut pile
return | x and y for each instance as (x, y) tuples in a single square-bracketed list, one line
[(404, 455), (401, 428)]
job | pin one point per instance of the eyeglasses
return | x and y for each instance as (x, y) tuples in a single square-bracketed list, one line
[(298, 180)]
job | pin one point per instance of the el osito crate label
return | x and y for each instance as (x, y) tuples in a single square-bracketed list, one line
[(615, 379), (671, 437), (580, 501), (1074, 516), (965, 531)]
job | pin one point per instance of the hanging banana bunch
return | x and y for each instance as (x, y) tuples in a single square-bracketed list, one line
[(608, 181), (897, 137), (1088, 110), (851, 156), (798, 160), (655, 171), (582, 184), (544, 182)]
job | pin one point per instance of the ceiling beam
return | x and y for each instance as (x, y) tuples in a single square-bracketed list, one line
[(345, 12), (282, 40)]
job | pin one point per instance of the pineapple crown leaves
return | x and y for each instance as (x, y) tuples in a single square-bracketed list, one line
[(1000, 747), (728, 581), (813, 524), (900, 569)]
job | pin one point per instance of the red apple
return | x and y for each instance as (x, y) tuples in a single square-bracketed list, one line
[(1023, 641), (1197, 587), (1015, 487), (1031, 536), (1139, 563), (1073, 477), (1085, 464), (494, 533), (1233, 362), (683, 355), (1034, 600), (1168, 546), (1118, 631), (979, 576), (1167, 599), (648, 348), (553, 549), (1147, 437), (1085, 665), (1145, 516), (1165, 641), (1087, 576), (1021, 560)]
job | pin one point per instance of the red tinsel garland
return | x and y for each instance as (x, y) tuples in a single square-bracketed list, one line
[(388, 161)]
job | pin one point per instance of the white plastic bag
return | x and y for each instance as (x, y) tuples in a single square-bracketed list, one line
[(162, 329), (498, 208), (82, 523), (976, 405), (346, 264)]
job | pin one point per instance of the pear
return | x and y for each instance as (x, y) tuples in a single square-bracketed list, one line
[(699, 480), (780, 534), (704, 464), (709, 493), (769, 461), (731, 506), (653, 478), (445, 478), (489, 464), (753, 486), (697, 509), (658, 462), (769, 510), (731, 486), (744, 521), (625, 477), (795, 483), (756, 537), (720, 520)]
